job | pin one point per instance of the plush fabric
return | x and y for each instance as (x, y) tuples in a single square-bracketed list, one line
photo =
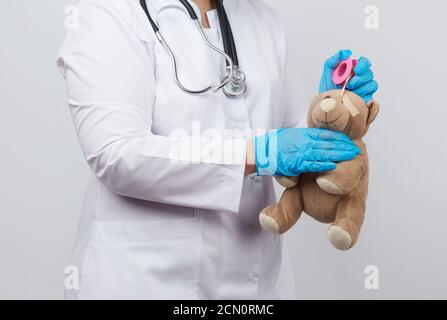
[(337, 197)]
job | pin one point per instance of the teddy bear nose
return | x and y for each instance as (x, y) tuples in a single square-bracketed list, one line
[(328, 104)]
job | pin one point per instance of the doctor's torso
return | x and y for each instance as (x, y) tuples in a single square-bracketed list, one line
[(186, 244)]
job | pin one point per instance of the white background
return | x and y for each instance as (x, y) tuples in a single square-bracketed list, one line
[(43, 173)]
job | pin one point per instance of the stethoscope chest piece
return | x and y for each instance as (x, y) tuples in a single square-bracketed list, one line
[(237, 85)]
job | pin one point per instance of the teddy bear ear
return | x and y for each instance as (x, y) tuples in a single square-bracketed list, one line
[(373, 107)]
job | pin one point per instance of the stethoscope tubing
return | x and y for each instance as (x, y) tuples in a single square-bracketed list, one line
[(224, 82), (229, 52), (227, 34)]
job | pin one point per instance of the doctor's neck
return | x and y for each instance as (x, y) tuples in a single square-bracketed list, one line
[(205, 6)]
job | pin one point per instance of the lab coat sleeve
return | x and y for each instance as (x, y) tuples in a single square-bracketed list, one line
[(110, 82)]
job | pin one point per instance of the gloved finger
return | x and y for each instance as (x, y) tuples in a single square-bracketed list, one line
[(335, 60), (313, 166), (336, 145), (330, 155), (318, 134), (362, 66), (367, 89), (360, 80), (368, 98), (326, 83)]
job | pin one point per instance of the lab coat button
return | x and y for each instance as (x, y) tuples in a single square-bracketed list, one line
[(253, 277)]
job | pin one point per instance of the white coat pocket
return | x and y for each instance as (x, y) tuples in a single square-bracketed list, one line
[(150, 260)]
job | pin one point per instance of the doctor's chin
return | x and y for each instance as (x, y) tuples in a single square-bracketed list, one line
[(218, 158)]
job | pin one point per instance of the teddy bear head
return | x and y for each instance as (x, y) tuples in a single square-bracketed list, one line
[(342, 111)]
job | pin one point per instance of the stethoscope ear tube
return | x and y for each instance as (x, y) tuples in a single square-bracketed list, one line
[(227, 33), (190, 9), (146, 10), (224, 29)]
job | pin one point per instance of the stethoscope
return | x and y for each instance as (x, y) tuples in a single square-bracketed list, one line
[(234, 83)]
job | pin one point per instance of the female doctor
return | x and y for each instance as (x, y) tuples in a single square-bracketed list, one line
[(164, 217)]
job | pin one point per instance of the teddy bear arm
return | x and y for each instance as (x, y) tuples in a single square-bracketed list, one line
[(344, 178)]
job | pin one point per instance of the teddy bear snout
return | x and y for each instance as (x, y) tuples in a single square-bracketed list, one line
[(328, 104), (329, 113)]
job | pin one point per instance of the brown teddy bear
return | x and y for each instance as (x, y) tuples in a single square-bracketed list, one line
[(337, 197)]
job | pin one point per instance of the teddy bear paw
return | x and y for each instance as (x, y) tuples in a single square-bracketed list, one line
[(339, 238), (287, 182), (268, 223), (329, 186)]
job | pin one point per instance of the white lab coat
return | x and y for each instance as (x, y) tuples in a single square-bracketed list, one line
[(151, 227)]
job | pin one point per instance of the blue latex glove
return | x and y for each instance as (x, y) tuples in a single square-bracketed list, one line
[(362, 84), (290, 152)]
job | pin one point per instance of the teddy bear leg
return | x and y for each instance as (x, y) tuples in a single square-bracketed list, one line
[(343, 179), (280, 217), (344, 232)]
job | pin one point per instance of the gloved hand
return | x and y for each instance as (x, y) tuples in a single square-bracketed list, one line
[(362, 84), (290, 152)]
